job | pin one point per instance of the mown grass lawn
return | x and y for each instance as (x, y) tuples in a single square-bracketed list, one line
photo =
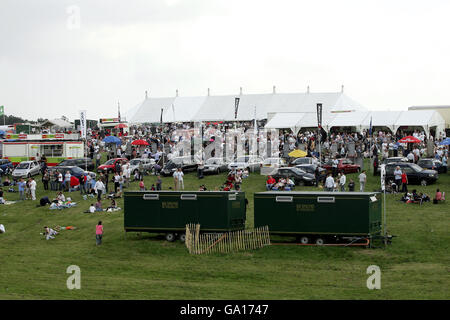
[(415, 266)]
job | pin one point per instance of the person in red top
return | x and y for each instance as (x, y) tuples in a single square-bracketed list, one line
[(270, 183), (404, 181), (74, 182), (99, 233)]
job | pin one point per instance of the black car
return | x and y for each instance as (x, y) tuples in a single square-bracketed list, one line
[(432, 164), (83, 163), (415, 174), (186, 163), (74, 171), (311, 168), (297, 175)]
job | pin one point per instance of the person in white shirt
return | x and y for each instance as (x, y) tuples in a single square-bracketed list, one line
[(175, 179), (362, 180), (33, 189), (329, 183), (180, 179), (342, 181), (99, 187)]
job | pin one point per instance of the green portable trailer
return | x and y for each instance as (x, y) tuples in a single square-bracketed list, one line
[(321, 217), (169, 211)]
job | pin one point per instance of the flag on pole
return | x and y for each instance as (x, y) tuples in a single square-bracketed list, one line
[(161, 115), (383, 176), (236, 106), (2, 110), (370, 127), (118, 110), (83, 128)]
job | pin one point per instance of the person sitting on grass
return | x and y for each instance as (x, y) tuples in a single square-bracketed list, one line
[(98, 205), (60, 197), (113, 205), (49, 233), (270, 183), (438, 197), (91, 208), (44, 201)]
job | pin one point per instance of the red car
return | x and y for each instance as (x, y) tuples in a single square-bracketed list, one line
[(344, 164), (110, 165)]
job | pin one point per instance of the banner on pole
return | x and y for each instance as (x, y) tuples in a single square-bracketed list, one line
[(319, 115), (83, 128), (236, 106), (383, 176), (2, 110)]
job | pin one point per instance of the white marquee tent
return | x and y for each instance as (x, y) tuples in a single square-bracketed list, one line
[(221, 108), (425, 119)]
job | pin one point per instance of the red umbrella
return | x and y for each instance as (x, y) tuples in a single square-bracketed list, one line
[(120, 126), (409, 139), (139, 142)]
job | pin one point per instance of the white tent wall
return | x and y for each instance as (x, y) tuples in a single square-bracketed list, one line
[(150, 110), (310, 120), (348, 119), (285, 120), (420, 118)]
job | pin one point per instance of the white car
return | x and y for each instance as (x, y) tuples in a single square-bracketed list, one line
[(26, 169), (147, 163), (253, 163)]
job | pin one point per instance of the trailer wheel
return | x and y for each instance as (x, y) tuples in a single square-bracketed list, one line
[(304, 240), (183, 237), (319, 241), (170, 237)]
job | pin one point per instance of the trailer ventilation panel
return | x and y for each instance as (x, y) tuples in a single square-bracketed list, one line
[(152, 196), (284, 199), (188, 197), (325, 199)]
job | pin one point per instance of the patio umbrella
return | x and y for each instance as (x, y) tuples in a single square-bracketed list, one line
[(120, 126), (112, 139), (409, 139), (445, 142), (139, 142), (297, 153)]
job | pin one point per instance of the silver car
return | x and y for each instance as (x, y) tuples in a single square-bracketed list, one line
[(215, 165), (147, 163), (26, 169), (253, 163)]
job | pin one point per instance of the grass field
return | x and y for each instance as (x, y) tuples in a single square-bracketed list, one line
[(415, 266)]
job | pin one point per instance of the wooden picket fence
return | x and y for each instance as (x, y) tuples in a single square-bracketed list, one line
[(242, 240)]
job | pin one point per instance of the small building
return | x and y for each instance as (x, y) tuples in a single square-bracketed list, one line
[(55, 147)]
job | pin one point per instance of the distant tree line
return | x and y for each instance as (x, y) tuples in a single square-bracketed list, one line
[(7, 120)]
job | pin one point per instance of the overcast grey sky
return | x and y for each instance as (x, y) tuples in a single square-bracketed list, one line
[(388, 54)]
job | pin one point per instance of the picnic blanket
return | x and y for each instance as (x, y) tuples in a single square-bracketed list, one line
[(62, 205)]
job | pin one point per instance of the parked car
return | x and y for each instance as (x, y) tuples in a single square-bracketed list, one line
[(297, 175), (186, 163), (110, 165), (26, 169), (5, 166), (311, 168), (415, 173), (147, 164), (304, 160), (215, 166), (392, 160), (74, 170), (344, 164), (83, 163), (274, 162), (253, 163), (432, 164)]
